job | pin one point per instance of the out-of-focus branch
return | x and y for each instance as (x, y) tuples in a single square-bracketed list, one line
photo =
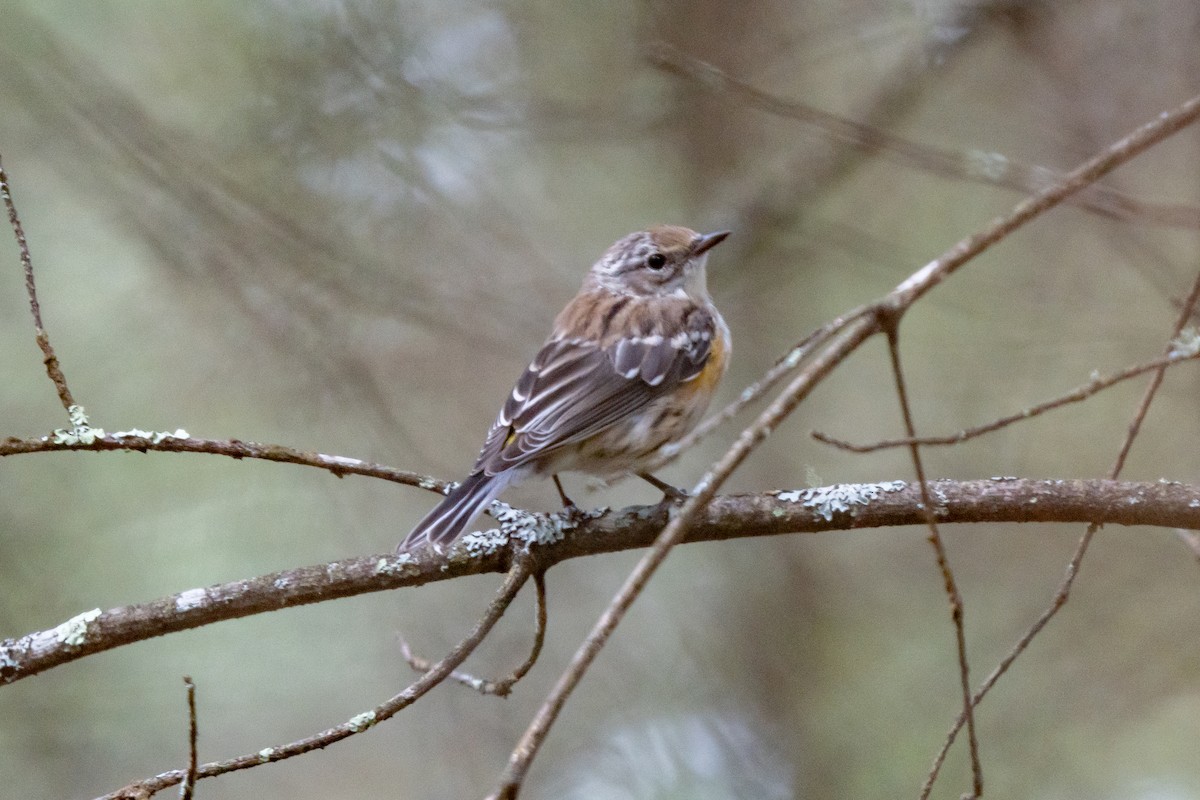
[(994, 169)]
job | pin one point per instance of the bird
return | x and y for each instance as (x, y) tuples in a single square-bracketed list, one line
[(630, 366)]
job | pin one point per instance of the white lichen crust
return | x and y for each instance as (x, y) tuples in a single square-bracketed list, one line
[(73, 632), (81, 432), (362, 721), (524, 526), (825, 501), (395, 565)]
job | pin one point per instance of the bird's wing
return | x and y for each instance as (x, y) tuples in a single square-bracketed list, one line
[(575, 388)]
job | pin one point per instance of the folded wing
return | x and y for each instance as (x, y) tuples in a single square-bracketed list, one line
[(575, 388)]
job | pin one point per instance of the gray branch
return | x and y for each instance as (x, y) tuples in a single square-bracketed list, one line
[(841, 507)]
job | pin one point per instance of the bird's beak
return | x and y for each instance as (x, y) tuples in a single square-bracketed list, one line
[(708, 241)]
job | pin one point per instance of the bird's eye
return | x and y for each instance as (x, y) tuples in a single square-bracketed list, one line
[(656, 261)]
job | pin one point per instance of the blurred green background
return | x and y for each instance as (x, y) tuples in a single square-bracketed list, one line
[(345, 226)]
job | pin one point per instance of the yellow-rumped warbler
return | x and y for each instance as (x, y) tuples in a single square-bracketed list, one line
[(631, 366)]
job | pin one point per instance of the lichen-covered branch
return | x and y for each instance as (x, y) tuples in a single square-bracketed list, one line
[(831, 508)]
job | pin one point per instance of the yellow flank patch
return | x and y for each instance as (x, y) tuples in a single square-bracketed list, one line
[(714, 368)]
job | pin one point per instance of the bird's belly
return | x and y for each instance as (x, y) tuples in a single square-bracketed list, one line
[(630, 444)]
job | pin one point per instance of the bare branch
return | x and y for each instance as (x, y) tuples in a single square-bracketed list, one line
[(1135, 425), (501, 687), (520, 572), (187, 789), (53, 370), (1079, 394), (957, 608), (180, 442)]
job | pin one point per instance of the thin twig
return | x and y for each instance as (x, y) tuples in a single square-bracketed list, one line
[(501, 687), (1079, 394), (187, 788), (520, 572), (1063, 592), (1059, 600), (180, 442), (53, 370), (950, 585), (1135, 425)]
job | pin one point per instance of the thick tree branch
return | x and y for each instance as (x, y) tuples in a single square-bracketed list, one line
[(832, 508)]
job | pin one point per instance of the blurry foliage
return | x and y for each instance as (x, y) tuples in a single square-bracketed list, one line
[(343, 226)]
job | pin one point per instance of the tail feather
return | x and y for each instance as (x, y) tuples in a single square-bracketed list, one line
[(448, 518)]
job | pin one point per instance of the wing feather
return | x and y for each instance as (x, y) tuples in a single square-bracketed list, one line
[(575, 388)]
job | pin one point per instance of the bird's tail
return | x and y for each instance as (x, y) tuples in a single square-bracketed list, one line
[(446, 521)]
